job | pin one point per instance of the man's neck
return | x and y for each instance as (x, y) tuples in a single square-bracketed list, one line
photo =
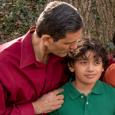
[(39, 49)]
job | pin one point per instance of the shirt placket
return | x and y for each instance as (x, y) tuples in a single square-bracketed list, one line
[(86, 105)]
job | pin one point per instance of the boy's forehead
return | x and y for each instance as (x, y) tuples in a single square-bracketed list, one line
[(89, 55)]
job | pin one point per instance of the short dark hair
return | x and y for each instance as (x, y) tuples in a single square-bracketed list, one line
[(57, 19), (89, 45)]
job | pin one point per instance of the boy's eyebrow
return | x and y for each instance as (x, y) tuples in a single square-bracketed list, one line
[(81, 59)]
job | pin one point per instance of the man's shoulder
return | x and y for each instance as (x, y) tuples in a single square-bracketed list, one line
[(10, 49), (9, 45)]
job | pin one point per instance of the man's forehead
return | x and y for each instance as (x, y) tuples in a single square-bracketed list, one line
[(70, 40), (76, 34)]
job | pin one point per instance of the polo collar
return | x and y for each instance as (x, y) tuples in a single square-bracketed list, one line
[(98, 88), (71, 90), (74, 93)]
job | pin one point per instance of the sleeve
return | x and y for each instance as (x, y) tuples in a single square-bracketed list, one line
[(25, 109)]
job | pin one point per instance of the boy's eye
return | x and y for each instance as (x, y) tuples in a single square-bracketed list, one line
[(98, 62), (83, 62)]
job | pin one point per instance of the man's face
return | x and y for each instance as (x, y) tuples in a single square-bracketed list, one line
[(88, 70), (66, 44)]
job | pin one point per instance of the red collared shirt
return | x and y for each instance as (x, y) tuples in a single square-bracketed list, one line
[(23, 79)]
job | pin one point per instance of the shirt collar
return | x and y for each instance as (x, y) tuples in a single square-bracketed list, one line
[(71, 90), (98, 88), (73, 93), (27, 51)]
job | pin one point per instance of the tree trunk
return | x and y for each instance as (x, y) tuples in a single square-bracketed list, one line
[(99, 17)]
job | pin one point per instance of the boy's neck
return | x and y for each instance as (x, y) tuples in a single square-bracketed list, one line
[(83, 88)]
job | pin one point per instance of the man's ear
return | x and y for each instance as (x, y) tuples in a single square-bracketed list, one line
[(71, 68), (47, 39)]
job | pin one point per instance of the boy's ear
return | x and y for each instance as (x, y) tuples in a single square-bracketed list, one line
[(71, 68), (102, 69)]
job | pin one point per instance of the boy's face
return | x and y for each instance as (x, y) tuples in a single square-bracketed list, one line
[(88, 70)]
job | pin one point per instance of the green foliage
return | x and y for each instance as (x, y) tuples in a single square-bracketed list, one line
[(19, 17), (40, 1), (110, 47)]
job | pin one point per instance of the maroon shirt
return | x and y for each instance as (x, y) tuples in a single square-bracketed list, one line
[(23, 79)]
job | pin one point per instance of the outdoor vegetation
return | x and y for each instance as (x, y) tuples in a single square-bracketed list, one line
[(17, 16)]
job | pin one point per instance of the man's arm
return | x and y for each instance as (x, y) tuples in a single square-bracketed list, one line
[(49, 102), (25, 109), (45, 104)]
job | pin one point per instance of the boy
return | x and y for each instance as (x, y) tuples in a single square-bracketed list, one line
[(86, 94)]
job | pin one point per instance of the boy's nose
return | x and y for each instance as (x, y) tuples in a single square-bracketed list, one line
[(90, 67)]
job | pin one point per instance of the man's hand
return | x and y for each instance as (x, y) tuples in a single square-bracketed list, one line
[(49, 102)]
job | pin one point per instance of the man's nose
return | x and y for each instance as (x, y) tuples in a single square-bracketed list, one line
[(73, 46)]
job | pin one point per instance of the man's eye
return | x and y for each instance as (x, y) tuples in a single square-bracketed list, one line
[(69, 43)]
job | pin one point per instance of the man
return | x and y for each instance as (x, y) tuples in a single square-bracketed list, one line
[(32, 65), (85, 94)]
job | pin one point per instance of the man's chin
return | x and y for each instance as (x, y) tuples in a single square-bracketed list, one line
[(63, 55)]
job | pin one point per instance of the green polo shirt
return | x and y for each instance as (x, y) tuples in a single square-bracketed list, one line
[(101, 101)]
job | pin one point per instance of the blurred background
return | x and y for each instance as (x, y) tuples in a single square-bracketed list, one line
[(17, 16)]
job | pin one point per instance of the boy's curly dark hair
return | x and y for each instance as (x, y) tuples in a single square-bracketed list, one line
[(85, 45)]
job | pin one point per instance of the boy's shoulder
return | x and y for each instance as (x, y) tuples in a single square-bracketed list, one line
[(108, 88)]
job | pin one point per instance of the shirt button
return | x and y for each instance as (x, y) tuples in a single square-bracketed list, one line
[(82, 96), (87, 103)]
